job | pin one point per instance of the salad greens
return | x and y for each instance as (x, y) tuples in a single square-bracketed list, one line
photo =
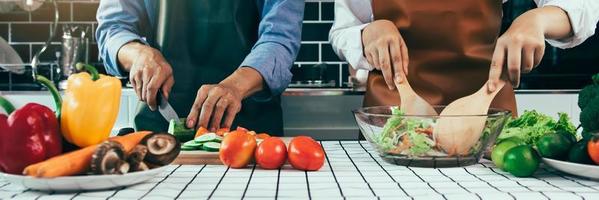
[(411, 136), (532, 125)]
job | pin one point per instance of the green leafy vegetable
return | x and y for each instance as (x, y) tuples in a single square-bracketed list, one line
[(398, 128), (532, 125), (589, 93), (589, 117), (421, 144)]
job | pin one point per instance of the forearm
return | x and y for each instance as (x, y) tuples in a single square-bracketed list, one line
[(554, 21), (119, 22), (246, 81), (127, 54)]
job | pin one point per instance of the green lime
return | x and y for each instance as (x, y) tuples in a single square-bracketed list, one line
[(570, 136), (554, 145), (521, 161), (579, 154), (500, 149)]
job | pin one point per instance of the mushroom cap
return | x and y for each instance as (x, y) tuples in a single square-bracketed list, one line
[(163, 148), (136, 156), (109, 159)]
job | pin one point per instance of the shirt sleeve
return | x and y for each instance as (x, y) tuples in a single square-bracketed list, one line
[(279, 35), (583, 16), (119, 22), (351, 16)]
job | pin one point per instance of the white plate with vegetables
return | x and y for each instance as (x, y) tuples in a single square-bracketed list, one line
[(84, 182), (119, 161), (582, 170)]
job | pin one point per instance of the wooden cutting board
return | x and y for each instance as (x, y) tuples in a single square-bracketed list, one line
[(204, 157)]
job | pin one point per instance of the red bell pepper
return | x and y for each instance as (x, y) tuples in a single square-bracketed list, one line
[(29, 135)]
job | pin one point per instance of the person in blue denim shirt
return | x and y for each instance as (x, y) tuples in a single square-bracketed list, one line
[(222, 63)]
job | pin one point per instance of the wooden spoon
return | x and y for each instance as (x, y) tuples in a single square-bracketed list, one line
[(458, 134), (412, 103)]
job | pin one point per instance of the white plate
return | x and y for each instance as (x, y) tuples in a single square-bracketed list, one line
[(588, 171), (88, 182)]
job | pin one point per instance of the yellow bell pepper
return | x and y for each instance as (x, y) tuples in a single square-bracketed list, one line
[(90, 106)]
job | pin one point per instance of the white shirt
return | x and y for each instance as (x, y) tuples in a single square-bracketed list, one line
[(351, 16)]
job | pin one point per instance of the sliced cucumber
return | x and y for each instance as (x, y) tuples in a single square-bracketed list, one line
[(192, 144), (208, 137), (218, 139), (211, 146), (188, 148)]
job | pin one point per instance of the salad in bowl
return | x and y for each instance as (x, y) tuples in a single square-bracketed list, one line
[(411, 140)]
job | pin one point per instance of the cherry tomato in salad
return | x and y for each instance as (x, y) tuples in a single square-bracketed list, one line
[(593, 149), (271, 153), (237, 149), (305, 154)]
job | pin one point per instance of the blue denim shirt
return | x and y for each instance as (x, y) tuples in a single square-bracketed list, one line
[(279, 35)]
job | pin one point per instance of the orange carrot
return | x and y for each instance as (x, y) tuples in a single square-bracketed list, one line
[(201, 131), (130, 140), (72, 163), (78, 162)]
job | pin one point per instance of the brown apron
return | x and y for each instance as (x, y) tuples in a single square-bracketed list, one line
[(450, 45)]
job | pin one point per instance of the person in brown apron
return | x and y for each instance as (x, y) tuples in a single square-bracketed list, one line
[(447, 49)]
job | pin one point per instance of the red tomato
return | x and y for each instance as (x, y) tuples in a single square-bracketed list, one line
[(239, 128), (262, 136), (222, 131), (593, 149), (201, 131), (271, 153), (305, 154), (237, 149)]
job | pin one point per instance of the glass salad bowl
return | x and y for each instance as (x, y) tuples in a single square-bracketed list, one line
[(411, 140)]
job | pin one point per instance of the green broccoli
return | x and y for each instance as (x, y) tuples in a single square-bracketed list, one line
[(589, 117), (588, 93)]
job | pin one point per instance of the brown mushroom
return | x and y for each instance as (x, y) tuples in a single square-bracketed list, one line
[(163, 148), (141, 167), (136, 157), (109, 158)]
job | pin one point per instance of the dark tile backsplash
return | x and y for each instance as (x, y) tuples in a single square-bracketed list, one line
[(27, 31)]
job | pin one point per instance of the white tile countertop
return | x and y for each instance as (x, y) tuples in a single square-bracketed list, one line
[(352, 171)]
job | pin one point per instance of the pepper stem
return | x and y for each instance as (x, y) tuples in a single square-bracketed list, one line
[(52, 88), (90, 69), (8, 107)]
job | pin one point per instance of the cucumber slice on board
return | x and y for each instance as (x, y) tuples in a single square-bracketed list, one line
[(193, 144), (188, 148), (211, 146), (208, 137)]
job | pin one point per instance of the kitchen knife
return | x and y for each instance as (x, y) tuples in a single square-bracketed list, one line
[(165, 109)]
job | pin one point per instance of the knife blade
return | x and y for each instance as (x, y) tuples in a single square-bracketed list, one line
[(166, 110)]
